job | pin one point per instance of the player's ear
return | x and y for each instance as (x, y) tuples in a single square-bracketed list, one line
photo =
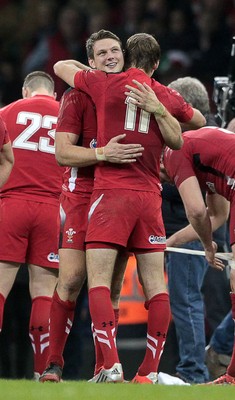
[(92, 63), (25, 92), (55, 95), (156, 66)]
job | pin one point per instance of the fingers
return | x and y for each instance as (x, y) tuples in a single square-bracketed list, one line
[(218, 264), (130, 158), (117, 138)]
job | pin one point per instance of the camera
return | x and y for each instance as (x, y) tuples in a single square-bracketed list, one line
[(224, 93), (224, 98)]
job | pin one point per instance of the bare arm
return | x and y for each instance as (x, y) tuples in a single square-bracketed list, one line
[(67, 69), (67, 153), (197, 121), (144, 97), (6, 162), (200, 223)]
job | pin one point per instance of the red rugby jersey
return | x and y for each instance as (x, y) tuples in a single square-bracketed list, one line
[(208, 154), (77, 116), (31, 125), (116, 116)]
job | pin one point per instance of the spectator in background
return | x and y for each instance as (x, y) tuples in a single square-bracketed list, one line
[(186, 272), (68, 41), (214, 38), (130, 13)]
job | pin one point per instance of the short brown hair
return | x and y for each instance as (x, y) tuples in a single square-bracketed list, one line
[(102, 34), (37, 79), (142, 51)]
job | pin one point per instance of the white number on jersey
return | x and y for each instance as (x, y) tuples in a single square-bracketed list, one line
[(37, 122), (130, 119)]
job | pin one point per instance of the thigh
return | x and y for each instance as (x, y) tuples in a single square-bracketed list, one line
[(8, 272), (14, 229), (42, 281), (149, 231), (73, 221), (112, 216), (44, 236)]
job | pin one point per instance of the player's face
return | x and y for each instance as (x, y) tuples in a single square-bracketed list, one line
[(108, 56)]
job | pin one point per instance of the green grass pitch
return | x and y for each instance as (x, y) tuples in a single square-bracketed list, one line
[(29, 390)]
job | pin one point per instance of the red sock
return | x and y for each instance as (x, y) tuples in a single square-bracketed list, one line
[(2, 304), (102, 315), (158, 321), (99, 359), (231, 367), (61, 321), (39, 331)]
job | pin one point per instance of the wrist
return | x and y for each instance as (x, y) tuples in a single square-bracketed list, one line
[(231, 263), (160, 111), (99, 153)]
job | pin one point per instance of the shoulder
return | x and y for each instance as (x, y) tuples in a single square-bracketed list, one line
[(75, 98)]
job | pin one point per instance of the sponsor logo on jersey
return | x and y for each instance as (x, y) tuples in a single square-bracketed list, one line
[(157, 239), (70, 233), (93, 144), (52, 257)]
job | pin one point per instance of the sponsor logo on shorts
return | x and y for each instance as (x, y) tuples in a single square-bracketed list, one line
[(52, 257), (70, 232), (157, 239)]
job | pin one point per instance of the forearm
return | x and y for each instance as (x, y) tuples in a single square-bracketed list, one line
[(68, 154), (169, 127), (75, 156), (67, 70), (5, 170), (197, 121), (202, 225), (145, 98), (6, 162), (184, 235)]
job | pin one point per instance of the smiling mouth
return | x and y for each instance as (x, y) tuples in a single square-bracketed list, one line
[(111, 65)]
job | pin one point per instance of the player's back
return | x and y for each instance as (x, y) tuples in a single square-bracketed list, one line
[(115, 115), (212, 151), (31, 125), (208, 154)]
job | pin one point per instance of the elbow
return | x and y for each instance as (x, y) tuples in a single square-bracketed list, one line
[(199, 122), (203, 122), (176, 144), (57, 67), (179, 144), (60, 160), (196, 214)]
